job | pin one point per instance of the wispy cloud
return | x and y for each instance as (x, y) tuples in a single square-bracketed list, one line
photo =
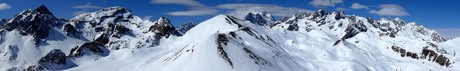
[(449, 32), (197, 12), (80, 12), (240, 10), (179, 2), (390, 10), (147, 17), (195, 8), (87, 6), (358, 6), (84, 8), (4, 6), (341, 9), (325, 3)]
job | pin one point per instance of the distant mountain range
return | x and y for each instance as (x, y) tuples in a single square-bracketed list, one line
[(114, 39)]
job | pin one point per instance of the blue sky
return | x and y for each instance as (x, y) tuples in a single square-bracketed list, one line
[(441, 15)]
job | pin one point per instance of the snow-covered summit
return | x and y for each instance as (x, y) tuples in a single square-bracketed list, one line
[(37, 22), (338, 23), (260, 18), (43, 9), (162, 27)]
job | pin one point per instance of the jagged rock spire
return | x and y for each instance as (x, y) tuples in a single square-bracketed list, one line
[(162, 27), (43, 9)]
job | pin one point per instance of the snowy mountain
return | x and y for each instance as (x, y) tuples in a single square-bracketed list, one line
[(116, 39), (3, 22), (182, 29), (260, 18)]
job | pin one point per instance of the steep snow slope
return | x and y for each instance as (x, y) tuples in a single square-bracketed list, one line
[(113, 39)]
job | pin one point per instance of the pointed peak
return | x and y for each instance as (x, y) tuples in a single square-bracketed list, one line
[(43, 9), (163, 21), (341, 12), (321, 9), (163, 18), (258, 12), (321, 12), (397, 19)]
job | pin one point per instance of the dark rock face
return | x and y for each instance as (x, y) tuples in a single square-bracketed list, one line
[(162, 27), (182, 29), (102, 39), (42, 9), (340, 15), (262, 18), (3, 22), (222, 40), (119, 13), (431, 55), (36, 22), (70, 30), (354, 28), (54, 57), (35, 68), (88, 49), (320, 13), (9, 52), (107, 20), (117, 30)]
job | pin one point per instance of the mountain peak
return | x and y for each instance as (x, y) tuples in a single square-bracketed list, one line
[(162, 27), (321, 12), (163, 21), (260, 18), (182, 29), (43, 9), (116, 9)]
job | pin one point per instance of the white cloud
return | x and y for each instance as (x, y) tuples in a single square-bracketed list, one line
[(390, 10), (87, 6), (449, 32), (241, 10), (4, 6), (80, 12), (147, 18), (192, 3), (195, 8), (341, 9), (325, 3), (197, 12), (358, 6), (84, 8)]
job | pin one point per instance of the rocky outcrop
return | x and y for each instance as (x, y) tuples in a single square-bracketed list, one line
[(90, 48), (260, 18), (10, 53), (53, 58), (162, 27), (36, 23), (182, 29)]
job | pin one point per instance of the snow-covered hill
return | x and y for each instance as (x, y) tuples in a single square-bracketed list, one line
[(114, 39)]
